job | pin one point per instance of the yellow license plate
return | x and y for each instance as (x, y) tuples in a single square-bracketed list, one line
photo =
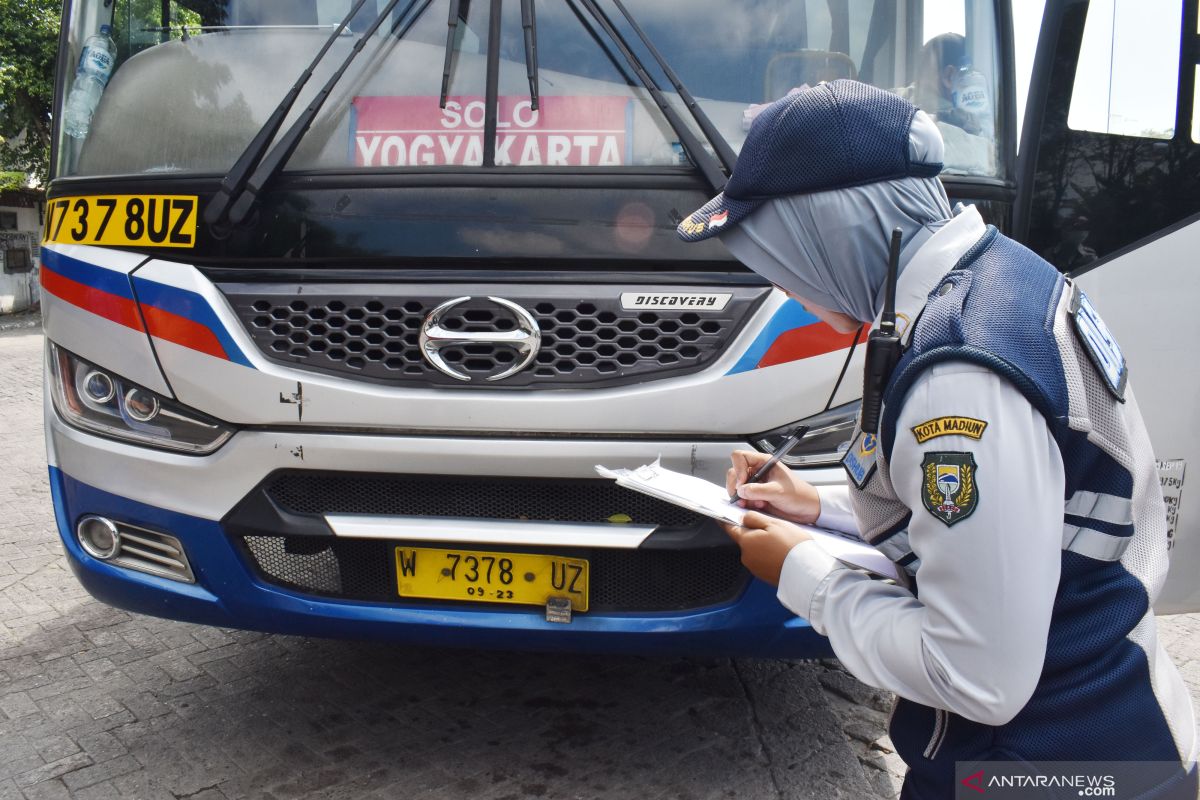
[(487, 577), (139, 220)]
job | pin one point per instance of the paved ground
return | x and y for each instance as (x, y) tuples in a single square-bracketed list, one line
[(98, 703)]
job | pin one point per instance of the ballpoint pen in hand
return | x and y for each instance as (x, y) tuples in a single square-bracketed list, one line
[(779, 453)]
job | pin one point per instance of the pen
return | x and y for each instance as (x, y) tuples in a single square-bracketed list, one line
[(779, 453)]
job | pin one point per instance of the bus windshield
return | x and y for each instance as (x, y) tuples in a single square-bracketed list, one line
[(193, 81)]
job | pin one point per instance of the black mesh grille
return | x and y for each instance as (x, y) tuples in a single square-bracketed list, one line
[(560, 500), (350, 568), (587, 337), (621, 580)]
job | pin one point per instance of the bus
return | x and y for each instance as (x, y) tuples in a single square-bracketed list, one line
[(344, 299)]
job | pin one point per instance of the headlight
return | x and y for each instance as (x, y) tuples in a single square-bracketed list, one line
[(829, 435), (98, 401)]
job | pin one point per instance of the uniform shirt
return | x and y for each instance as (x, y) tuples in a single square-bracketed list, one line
[(975, 641)]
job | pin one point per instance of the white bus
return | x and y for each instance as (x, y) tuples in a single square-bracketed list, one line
[(336, 355)]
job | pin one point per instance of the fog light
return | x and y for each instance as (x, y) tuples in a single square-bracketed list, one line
[(142, 406), (99, 387), (99, 537)]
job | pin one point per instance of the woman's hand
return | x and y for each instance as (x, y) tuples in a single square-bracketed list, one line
[(781, 494), (765, 543)]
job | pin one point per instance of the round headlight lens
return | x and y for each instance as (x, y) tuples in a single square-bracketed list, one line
[(98, 386), (141, 405)]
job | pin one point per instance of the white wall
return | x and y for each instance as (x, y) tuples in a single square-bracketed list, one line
[(18, 292)]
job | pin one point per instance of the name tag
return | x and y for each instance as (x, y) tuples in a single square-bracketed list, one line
[(1100, 345)]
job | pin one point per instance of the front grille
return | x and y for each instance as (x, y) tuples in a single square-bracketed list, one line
[(552, 499), (587, 337), (621, 580)]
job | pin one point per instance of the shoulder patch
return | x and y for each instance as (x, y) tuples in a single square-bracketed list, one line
[(949, 490), (859, 461), (949, 426)]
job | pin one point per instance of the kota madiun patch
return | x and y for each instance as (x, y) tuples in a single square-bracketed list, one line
[(949, 426), (948, 489)]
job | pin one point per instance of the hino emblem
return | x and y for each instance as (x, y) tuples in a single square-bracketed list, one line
[(525, 339)]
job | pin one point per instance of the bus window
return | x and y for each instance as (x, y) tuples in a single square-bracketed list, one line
[(1126, 82), (221, 67), (1114, 160), (1196, 109), (954, 81)]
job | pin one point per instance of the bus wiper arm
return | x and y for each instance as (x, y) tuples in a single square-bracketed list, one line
[(244, 203), (235, 180), (458, 10), (722, 148), (704, 160), (529, 26)]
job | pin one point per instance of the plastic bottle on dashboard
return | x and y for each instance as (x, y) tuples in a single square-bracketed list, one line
[(91, 76), (969, 94)]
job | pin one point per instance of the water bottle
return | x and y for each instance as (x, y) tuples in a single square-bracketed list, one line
[(969, 93), (91, 76)]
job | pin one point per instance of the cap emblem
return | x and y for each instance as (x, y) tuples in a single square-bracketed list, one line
[(693, 225)]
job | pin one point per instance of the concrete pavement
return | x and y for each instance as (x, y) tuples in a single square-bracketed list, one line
[(99, 703)]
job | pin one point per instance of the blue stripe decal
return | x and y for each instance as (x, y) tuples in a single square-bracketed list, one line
[(790, 315), (190, 305), (106, 280)]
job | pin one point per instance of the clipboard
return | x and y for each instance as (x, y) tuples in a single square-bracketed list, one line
[(711, 500)]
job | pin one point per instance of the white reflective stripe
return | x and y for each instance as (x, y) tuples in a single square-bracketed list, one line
[(488, 531), (895, 547), (1102, 507), (940, 718), (1093, 543)]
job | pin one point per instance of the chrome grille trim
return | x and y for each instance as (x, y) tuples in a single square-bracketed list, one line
[(152, 552), (488, 531), (372, 332)]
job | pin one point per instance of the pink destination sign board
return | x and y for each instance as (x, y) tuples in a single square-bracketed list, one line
[(586, 131)]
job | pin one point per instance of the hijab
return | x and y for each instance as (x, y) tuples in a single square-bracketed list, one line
[(831, 248)]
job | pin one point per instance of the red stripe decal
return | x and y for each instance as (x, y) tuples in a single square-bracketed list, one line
[(120, 310), (811, 340), (183, 331)]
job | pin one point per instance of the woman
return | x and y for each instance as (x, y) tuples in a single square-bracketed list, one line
[(1010, 476)]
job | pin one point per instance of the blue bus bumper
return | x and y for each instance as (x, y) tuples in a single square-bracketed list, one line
[(227, 593)]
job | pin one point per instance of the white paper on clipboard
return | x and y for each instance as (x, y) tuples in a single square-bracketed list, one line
[(711, 500)]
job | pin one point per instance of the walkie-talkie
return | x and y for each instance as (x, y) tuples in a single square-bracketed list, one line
[(883, 345)]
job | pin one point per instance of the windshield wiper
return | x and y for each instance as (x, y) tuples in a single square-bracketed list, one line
[(274, 161), (529, 26), (704, 160), (458, 10), (235, 180), (588, 25), (722, 148)]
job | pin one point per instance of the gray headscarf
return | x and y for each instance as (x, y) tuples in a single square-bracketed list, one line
[(832, 247)]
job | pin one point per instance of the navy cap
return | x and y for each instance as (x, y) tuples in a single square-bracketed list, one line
[(834, 135)]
